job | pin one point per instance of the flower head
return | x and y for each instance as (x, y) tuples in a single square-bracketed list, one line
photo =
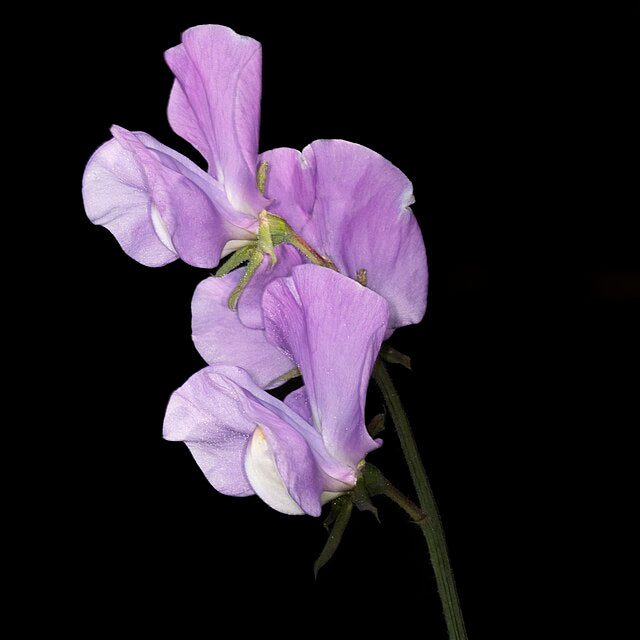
[(353, 205), (299, 453), (158, 204)]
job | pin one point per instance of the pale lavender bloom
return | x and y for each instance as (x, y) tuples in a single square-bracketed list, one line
[(352, 206), (297, 454), (222, 339), (158, 204)]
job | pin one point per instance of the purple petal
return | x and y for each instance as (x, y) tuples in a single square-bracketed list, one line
[(250, 303), (220, 409), (206, 413), (363, 221), (221, 338), (290, 184), (157, 203), (298, 401), (239, 224), (116, 196), (194, 210), (332, 328), (215, 105), (282, 470)]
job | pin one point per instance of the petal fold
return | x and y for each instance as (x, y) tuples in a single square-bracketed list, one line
[(207, 414), (215, 105), (332, 328), (298, 401), (290, 185), (116, 196), (157, 203), (362, 220), (247, 441), (250, 303), (221, 338), (282, 470)]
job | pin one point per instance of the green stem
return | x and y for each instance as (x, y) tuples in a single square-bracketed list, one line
[(431, 524), (252, 266), (311, 254), (377, 485)]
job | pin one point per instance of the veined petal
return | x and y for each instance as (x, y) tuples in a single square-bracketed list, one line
[(282, 470), (215, 105), (206, 414), (246, 440), (116, 196), (240, 226), (250, 302), (221, 338), (332, 328), (362, 219), (298, 401), (157, 203), (290, 184), (196, 223)]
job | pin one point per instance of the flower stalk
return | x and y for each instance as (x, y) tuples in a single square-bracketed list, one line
[(430, 524)]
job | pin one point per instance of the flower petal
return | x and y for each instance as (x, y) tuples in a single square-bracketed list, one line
[(215, 105), (250, 303), (282, 470), (246, 440), (116, 196), (362, 219), (221, 338), (332, 328), (192, 208), (298, 401), (206, 413), (290, 184), (157, 203)]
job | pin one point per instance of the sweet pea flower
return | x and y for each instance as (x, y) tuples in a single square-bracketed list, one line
[(158, 204), (353, 206), (297, 454)]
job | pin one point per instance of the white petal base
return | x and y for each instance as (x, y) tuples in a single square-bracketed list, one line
[(264, 477)]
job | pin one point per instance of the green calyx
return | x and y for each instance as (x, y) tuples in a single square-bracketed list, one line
[(289, 375), (370, 484), (265, 240), (272, 231), (252, 266), (241, 255), (262, 176)]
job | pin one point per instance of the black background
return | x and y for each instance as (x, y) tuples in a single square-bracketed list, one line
[(517, 131)]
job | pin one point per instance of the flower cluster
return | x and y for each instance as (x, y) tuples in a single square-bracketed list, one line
[(325, 260)]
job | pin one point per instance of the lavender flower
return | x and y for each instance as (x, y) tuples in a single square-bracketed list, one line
[(354, 207), (158, 204), (297, 454)]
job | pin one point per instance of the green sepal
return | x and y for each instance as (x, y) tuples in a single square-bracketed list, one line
[(393, 356), (236, 259), (254, 262), (338, 519), (361, 497), (272, 231), (334, 511), (280, 230), (262, 176), (289, 375), (373, 479), (376, 425), (265, 242)]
